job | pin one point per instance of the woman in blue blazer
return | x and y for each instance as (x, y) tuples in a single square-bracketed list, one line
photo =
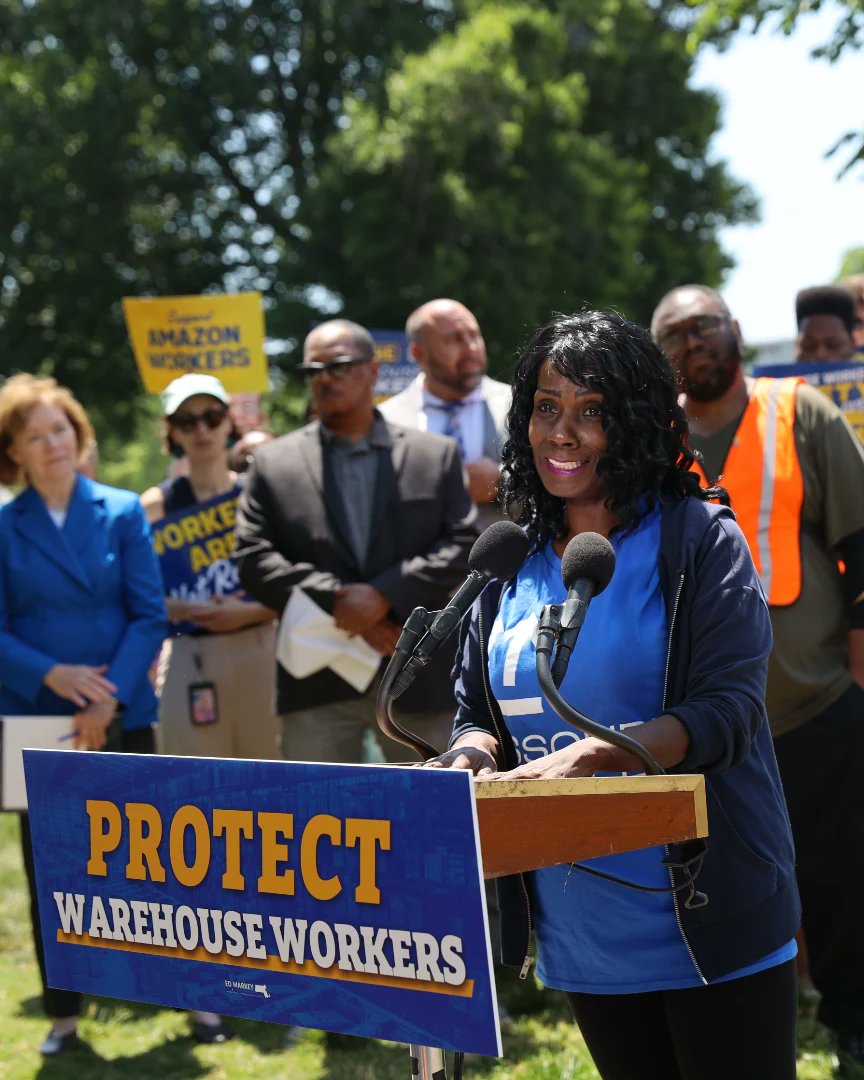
[(81, 608)]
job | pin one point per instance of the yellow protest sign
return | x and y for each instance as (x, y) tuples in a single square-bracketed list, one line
[(221, 335)]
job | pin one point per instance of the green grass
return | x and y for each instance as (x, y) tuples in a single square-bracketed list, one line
[(128, 1041)]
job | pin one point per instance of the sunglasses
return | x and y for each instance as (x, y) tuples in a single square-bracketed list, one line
[(337, 368), (188, 422)]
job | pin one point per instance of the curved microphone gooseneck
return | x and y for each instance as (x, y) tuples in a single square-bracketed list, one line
[(586, 567), (497, 555)]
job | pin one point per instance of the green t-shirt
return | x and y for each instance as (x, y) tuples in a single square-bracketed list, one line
[(807, 671)]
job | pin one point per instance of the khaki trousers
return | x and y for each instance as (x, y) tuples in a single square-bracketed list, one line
[(242, 667)]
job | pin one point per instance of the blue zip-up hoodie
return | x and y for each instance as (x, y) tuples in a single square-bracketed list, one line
[(719, 641)]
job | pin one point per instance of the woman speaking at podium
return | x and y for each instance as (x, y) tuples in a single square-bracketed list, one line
[(675, 652)]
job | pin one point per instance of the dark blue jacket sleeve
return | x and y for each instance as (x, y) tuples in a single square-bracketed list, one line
[(723, 652)]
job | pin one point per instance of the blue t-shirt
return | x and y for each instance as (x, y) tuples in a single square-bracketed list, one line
[(594, 936)]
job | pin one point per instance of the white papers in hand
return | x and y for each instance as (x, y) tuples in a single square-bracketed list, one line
[(310, 640)]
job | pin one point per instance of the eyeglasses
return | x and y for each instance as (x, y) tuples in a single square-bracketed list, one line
[(188, 422), (337, 367), (704, 326)]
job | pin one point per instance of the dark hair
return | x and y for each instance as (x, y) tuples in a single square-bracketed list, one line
[(645, 426), (826, 300)]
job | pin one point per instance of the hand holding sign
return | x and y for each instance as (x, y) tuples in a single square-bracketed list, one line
[(221, 614)]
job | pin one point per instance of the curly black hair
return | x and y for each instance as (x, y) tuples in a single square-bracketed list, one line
[(645, 426)]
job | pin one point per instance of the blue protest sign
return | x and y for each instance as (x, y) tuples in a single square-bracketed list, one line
[(842, 381), (397, 368), (195, 546), (342, 897)]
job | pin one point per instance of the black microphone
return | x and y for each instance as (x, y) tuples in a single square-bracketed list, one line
[(497, 555), (587, 566)]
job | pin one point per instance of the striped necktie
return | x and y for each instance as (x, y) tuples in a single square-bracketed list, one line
[(452, 417)]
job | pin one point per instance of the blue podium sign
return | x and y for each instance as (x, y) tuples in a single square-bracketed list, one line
[(342, 897)]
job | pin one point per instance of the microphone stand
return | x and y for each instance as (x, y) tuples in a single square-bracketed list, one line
[(427, 1062), (416, 625), (548, 633)]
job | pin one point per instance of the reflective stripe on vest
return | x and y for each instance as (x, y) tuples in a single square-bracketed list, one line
[(763, 477)]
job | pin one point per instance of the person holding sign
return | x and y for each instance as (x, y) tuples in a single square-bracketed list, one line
[(217, 669), (677, 963), (81, 609)]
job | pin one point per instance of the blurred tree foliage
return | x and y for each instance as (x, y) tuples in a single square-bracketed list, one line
[(852, 262), (342, 154), (165, 147), (717, 21), (540, 157)]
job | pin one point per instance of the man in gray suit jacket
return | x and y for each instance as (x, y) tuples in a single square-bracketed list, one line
[(370, 520), (454, 396)]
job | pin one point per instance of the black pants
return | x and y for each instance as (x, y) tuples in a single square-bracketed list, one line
[(743, 1028), (822, 768), (60, 1003)]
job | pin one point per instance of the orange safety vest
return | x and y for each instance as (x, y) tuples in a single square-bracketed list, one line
[(763, 477)]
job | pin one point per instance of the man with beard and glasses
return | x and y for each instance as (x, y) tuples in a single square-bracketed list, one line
[(794, 470), (454, 396)]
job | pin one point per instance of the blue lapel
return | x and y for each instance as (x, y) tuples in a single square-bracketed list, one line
[(84, 531), (64, 547)]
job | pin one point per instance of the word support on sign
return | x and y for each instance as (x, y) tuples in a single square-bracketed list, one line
[(218, 335)]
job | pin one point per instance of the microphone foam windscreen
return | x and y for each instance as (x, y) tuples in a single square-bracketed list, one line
[(499, 551), (588, 555)]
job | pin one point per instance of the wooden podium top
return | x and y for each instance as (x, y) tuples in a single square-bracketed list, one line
[(526, 824)]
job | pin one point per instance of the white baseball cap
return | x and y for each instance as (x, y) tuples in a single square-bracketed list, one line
[(187, 386)]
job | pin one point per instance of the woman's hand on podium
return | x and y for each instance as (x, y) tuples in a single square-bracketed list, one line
[(475, 752), (582, 758)]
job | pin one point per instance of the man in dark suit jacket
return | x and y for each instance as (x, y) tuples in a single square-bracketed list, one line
[(370, 520)]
